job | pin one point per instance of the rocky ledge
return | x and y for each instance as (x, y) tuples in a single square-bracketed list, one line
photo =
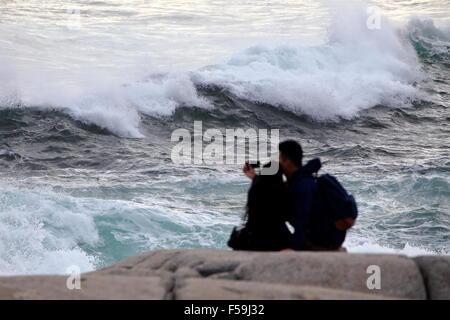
[(182, 274)]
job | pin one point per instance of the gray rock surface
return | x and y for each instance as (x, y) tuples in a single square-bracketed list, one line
[(400, 276), (92, 288), (194, 289), (221, 274), (436, 275)]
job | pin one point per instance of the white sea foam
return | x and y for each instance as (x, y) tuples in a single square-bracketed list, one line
[(40, 235), (43, 231), (97, 98), (367, 246)]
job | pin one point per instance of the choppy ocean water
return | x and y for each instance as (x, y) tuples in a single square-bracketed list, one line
[(90, 92)]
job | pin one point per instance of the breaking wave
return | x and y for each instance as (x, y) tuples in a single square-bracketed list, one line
[(356, 69)]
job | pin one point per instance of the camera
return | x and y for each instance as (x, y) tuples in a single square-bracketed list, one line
[(255, 165)]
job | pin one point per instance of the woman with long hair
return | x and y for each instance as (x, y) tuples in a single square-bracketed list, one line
[(267, 211)]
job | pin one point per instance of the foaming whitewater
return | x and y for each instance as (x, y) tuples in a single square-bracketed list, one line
[(429, 41), (99, 98), (40, 234), (356, 69), (365, 246), (48, 228)]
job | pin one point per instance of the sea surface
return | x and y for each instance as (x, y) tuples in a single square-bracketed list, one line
[(91, 91)]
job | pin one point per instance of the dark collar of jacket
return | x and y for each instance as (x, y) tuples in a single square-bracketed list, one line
[(311, 167)]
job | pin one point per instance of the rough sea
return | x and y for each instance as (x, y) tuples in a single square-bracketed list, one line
[(91, 91)]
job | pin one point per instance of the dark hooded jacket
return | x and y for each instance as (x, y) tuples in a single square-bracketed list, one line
[(304, 191)]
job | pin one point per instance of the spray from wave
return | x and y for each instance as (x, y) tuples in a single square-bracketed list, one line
[(359, 68)]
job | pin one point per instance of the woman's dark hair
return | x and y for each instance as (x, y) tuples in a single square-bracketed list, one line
[(264, 193), (268, 209), (292, 150)]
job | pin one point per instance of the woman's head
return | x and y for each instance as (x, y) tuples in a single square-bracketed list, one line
[(265, 193), (278, 176)]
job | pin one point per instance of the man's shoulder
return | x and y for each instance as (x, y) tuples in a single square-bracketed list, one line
[(302, 181)]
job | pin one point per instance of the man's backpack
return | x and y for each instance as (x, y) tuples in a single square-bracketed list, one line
[(337, 203)]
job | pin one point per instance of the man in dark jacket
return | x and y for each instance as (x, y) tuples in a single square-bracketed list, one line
[(303, 189)]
